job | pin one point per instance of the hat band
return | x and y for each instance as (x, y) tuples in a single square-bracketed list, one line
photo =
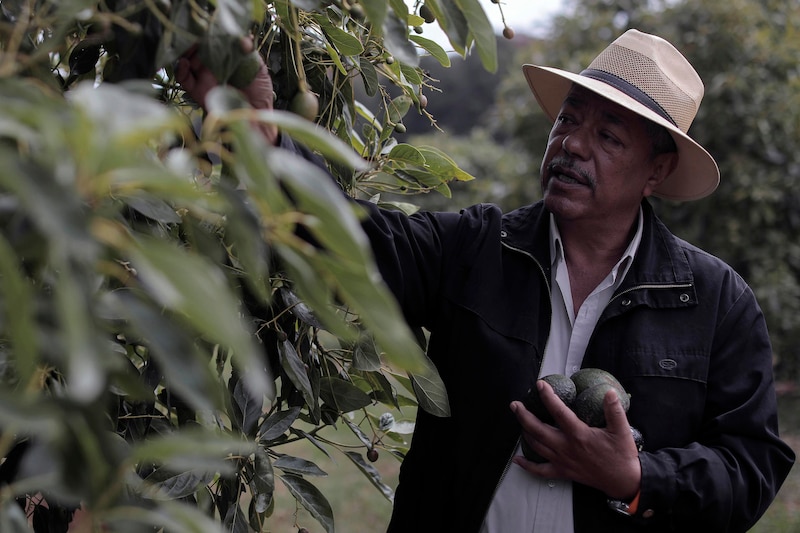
[(629, 89)]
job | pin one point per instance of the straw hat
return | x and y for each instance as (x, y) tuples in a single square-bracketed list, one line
[(647, 75)]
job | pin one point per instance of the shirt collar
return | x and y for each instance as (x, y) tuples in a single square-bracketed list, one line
[(620, 269)]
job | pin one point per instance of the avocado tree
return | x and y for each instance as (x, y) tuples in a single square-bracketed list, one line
[(164, 328)]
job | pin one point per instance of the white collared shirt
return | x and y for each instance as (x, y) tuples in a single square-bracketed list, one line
[(524, 503)]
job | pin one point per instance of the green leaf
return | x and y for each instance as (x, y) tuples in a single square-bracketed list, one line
[(311, 498), (248, 408), (262, 481), (278, 423), (433, 48), (430, 391), (196, 289), (86, 364), (346, 43), (298, 308), (441, 164), (365, 354), (387, 325), (407, 153), (369, 75), (18, 310), (295, 368), (342, 395), (140, 120), (185, 369), (375, 11), (382, 389), (299, 466), (395, 39), (243, 232), (193, 450), (424, 177), (481, 30), (220, 47), (314, 137), (410, 74), (174, 516), (372, 474), (151, 207), (398, 107), (452, 22), (360, 435), (169, 485)]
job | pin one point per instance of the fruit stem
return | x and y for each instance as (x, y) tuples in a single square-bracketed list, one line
[(302, 84)]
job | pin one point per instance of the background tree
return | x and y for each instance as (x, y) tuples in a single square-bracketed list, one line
[(746, 52), (163, 329)]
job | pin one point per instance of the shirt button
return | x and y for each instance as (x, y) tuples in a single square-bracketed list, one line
[(503, 234), (648, 513), (684, 297), (551, 483), (626, 302)]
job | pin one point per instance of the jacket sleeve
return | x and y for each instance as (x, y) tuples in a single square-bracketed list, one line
[(726, 479)]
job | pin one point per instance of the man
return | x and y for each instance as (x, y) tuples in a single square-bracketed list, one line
[(588, 277)]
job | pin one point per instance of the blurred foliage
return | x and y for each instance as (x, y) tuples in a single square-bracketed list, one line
[(164, 330)]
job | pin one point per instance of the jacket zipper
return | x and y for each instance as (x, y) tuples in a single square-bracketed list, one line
[(517, 442)]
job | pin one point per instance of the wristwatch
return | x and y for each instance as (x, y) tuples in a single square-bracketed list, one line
[(619, 506), (628, 509)]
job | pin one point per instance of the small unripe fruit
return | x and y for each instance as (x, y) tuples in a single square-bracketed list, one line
[(305, 104), (356, 11), (245, 71), (427, 14), (400, 127), (508, 33), (418, 29), (372, 455), (390, 60), (423, 101)]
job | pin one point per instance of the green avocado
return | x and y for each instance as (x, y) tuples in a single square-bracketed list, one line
[(588, 405), (563, 387), (588, 377)]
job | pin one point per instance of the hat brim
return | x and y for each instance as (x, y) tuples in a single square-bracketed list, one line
[(695, 176)]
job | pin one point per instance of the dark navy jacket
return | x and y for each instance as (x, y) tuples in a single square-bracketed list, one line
[(683, 333)]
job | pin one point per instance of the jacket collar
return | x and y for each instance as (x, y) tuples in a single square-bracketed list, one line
[(660, 260)]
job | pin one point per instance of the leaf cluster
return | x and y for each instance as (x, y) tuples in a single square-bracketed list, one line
[(178, 300)]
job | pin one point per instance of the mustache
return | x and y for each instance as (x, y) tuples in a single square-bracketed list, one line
[(568, 163)]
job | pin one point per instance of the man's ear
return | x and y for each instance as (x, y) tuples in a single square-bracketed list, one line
[(663, 165)]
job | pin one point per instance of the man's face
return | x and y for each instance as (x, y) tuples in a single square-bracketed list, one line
[(598, 164)]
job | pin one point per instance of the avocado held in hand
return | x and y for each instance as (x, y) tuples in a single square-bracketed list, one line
[(564, 389), (583, 392)]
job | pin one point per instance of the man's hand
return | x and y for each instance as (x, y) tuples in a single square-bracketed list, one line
[(603, 458), (197, 80)]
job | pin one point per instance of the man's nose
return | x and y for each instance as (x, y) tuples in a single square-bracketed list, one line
[(575, 144)]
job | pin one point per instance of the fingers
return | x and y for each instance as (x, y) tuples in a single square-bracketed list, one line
[(616, 419), (247, 44)]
